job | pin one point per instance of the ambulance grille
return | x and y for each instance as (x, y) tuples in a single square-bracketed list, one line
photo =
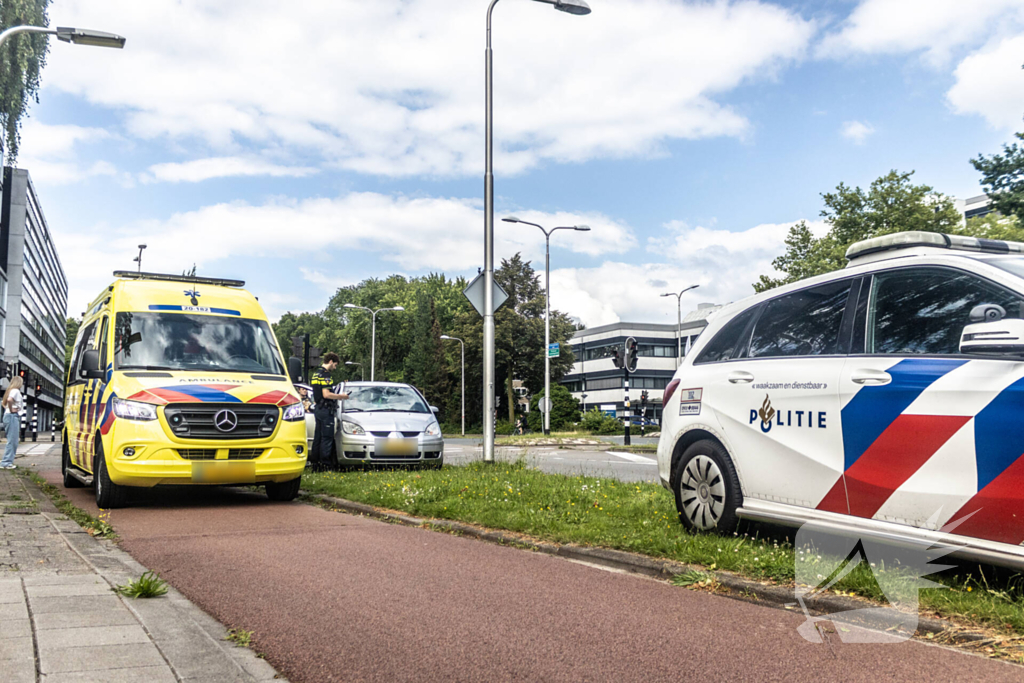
[(244, 453), (196, 420), (198, 453)]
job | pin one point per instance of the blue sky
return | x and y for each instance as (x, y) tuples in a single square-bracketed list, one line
[(689, 135)]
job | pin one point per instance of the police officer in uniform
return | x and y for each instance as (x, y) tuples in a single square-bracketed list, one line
[(321, 455)]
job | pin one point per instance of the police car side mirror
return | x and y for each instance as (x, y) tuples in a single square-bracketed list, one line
[(434, 410), (1001, 337), (987, 313), (295, 370), (91, 365)]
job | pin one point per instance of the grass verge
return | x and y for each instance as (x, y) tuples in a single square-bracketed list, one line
[(100, 528), (641, 518)]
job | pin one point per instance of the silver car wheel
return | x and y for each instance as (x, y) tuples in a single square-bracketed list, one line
[(702, 492)]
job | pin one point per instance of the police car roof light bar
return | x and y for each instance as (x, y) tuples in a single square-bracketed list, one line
[(167, 277), (918, 238)]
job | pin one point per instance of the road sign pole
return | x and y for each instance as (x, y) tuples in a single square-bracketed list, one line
[(625, 373)]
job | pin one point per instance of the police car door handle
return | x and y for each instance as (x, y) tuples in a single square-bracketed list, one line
[(740, 377), (870, 377)]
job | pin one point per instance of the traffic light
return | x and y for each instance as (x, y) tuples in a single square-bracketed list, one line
[(643, 398), (617, 357), (314, 357), (630, 354), (297, 346)]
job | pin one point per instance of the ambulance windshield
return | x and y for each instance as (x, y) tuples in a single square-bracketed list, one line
[(184, 341)]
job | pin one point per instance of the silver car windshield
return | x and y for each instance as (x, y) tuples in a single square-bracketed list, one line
[(389, 399)]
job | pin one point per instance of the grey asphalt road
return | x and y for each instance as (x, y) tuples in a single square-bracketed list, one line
[(611, 464), (336, 597)]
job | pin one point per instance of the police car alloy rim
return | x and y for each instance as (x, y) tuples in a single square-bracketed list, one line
[(702, 491)]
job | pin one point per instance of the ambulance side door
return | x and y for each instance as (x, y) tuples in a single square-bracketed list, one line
[(76, 399)]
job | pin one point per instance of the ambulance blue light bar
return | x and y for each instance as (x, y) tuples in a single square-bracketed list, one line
[(165, 277), (918, 238)]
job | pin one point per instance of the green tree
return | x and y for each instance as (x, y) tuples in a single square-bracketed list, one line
[(995, 226), (1002, 177), (892, 204), (426, 365), (72, 325), (565, 410), (21, 61)]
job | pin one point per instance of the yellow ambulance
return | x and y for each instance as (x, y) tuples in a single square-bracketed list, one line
[(179, 380)]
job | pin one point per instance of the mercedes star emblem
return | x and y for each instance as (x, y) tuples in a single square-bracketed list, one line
[(225, 420)]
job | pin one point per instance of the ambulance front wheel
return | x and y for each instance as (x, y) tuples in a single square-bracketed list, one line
[(706, 488), (108, 494), (283, 491)]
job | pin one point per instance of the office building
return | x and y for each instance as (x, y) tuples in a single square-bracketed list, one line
[(597, 383), (33, 298)]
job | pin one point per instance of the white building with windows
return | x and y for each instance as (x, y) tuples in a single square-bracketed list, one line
[(597, 383)]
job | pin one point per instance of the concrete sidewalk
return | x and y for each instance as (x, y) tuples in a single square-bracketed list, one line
[(61, 621)]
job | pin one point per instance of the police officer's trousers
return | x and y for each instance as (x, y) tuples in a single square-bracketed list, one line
[(321, 455)]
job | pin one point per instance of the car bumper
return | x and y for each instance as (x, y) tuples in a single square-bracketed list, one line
[(355, 449)]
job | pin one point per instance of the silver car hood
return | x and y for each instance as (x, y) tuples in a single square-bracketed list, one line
[(390, 422)]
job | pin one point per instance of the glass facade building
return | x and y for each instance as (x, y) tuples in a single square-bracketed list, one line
[(34, 298)]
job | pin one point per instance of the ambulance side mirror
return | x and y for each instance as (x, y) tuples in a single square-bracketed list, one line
[(999, 337), (91, 365), (295, 370)]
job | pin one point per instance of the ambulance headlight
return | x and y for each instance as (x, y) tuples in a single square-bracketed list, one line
[(352, 428), (133, 410), (433, 430), (294, 413)]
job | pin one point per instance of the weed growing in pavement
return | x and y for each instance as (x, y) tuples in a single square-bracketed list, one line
[(694, 578), (641, 517), (239, 636), (99, 528), (149, 585)]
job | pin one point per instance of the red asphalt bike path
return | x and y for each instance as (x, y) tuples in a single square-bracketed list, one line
[(337, 597)]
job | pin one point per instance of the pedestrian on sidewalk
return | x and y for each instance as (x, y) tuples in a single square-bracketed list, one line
[(13, 404)]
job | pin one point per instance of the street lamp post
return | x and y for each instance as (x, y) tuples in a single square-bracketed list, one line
[(547, 308), (373, 333), (679, 321), (578, 7), (362, 376), (78, 36), (462, 401)]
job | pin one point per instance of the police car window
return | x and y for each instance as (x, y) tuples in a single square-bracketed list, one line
[(924, 310), (183, 341), (804, 323), (724, 345)]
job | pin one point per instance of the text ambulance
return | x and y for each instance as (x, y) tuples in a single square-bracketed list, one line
[(179, 380), (886, 399)]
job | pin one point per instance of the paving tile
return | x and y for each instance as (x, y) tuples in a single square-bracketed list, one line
[(90, 636), (15, 628), (13, 610), (16, 648), (99, 658), (62, 579), (85, 603), (20, 671), (73, 589), (141, 674), (106, 617)]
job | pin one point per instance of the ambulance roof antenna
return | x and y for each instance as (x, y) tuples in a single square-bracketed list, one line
[(138, 259)]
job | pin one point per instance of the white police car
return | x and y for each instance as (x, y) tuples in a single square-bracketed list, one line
[(886, 398)]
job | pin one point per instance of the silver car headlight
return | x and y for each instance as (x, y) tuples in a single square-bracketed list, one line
[(352, 428), (433, 430), (294, 413), (133, 410)]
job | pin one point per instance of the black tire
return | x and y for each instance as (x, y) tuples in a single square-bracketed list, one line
[(283, 491), (65, 465), (706, 488), (109, 495)]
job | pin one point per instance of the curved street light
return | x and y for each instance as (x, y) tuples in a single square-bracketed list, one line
[(78, 36), (547, 307), (462, 402), (679, 322), (578, 7), (373, 332)]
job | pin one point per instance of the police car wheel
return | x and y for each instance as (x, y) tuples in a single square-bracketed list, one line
[(108, 494), (706, 487), (65, 465), (283, 491)]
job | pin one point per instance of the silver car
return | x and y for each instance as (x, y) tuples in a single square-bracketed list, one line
[(385, 422)]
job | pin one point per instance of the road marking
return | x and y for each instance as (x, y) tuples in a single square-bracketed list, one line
[(633, 457)]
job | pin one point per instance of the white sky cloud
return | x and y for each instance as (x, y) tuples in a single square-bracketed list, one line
[(414, 234), (856, 131), (725, 264), (395, 87), (934, 27), (222, 167), (990, 83), (49, 152)]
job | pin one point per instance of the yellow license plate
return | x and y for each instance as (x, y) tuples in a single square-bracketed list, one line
[(224, 472), (396, 447)]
